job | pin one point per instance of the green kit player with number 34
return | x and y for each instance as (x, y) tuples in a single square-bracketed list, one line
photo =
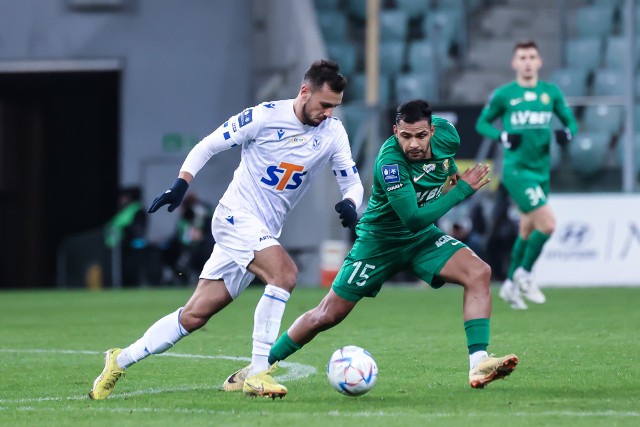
[(397, 232), (526, 106)]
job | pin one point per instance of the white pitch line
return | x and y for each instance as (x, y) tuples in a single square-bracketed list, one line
[(361, 414), (295, 371)]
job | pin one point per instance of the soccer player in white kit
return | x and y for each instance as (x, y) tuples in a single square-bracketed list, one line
[(285, 145)]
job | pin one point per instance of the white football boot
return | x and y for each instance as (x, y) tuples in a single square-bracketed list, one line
[(524, 280), (511, 294)]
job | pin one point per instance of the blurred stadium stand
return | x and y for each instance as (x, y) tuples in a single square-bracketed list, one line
[(603, 118), (619, 153), (595, 21), (584, 53), (414, 34), (416, 85), (416, 9), (457, 51), (572, 81), (588, 152)]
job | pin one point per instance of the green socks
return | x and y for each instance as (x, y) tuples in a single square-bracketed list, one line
[(525, 252), (536, 241), (282, 349), (517, 252), (477, 331)]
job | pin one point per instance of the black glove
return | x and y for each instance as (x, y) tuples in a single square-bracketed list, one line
[(172, 197), (563, 136), (510, 141), (348, 214)]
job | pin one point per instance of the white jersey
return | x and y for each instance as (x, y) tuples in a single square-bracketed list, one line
[(280, 158)]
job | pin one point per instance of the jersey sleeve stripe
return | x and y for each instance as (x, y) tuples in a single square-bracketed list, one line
[(226, 135), (346, 172)]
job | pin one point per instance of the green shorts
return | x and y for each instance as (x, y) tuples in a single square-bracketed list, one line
[(529, 194), (371, 262)]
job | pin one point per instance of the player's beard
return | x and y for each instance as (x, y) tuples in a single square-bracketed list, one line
[(307, 119), (418, 154), (415, 155)]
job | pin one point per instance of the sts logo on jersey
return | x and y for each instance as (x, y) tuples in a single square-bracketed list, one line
[(285, 176)]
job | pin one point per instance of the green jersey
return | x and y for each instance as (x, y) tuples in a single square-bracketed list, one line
[(406, 197), (527, 111)]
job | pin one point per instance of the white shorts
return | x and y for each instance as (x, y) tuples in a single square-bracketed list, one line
[(238, 235)]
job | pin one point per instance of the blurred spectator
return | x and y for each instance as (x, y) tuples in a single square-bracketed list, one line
[(127, 231), (186, 252)]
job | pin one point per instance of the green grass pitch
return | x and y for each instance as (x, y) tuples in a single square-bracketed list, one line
[(579, 357)]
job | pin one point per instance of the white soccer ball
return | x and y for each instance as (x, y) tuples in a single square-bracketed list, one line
[(352, 371)]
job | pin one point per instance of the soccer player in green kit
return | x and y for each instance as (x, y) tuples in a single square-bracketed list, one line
[(397, 232), (526, 106)]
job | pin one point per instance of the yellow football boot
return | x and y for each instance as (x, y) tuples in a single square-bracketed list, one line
[(235, 381), (106, 381), (264, 385)]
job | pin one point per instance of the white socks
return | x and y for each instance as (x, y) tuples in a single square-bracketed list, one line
[(474, 358), (266, 326), (167, 331), (160, 337)]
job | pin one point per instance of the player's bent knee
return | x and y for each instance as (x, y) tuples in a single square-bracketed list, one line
[(287, 279), (480, 273), (191, 322), (546, 222), (548, 227)]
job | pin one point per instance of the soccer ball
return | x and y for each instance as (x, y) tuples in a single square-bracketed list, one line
[(352, 371)]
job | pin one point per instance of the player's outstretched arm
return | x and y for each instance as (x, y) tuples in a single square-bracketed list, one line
[(417, 219), (223, 138)]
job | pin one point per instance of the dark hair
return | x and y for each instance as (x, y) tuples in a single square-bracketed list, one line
[(325, 71), (413, 111), (526, 44)]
